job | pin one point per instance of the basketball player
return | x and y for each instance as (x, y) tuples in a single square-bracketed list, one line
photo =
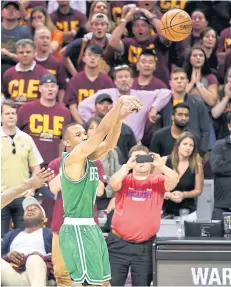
[(82, 244)]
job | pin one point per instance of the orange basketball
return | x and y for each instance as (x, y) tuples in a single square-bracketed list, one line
[(176, 25)]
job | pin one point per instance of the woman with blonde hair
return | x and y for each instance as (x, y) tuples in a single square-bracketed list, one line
[(185, 161), (100, 6), (39, 18)]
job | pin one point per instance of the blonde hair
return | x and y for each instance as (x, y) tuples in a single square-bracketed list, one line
[(111, 24), (193, 162)]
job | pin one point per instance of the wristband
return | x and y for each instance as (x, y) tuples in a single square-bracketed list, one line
[(200, 85)]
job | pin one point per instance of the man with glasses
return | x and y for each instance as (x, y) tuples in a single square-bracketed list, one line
[(153, 101), (20, 156)]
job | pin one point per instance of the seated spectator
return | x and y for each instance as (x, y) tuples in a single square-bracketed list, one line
[(88, 82), (103, 104), (21, 83), (180, 50), (142, 21), (74, 52), (221, 166), (68, 20), (146, 66), (11, 33), (209, 42), (202, 82), (153, 101), (42, 40), (185, 162), (39, 18), (136, 220), (199, 118), (222, 107), (217, 12), (27, 252), (164, 139), (44, 119)]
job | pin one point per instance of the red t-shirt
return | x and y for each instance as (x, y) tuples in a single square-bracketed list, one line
[(45, 126), (57, 219), (138, 208)]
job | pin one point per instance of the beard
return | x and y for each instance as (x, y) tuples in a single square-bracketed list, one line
[(32, 222), (180, 125), (124, 89)]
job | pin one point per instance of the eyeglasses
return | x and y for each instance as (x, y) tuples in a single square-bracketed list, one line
[(14, 149), (122, 67)]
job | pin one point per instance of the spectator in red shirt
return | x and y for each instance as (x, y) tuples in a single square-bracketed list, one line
[(136, 219)]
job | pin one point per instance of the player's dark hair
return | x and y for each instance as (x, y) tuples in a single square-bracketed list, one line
[(65, 129), (138, 148), (180, 105)]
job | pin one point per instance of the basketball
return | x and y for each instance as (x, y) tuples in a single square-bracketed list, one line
[(176, 25)]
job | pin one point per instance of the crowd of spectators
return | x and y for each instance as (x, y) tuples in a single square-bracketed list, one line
[(68, 61)]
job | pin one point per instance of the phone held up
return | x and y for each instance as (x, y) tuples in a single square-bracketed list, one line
[(140, 158)]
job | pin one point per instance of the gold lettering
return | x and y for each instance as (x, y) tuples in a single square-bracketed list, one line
[(74, 25), (35, 127), (227, 43), (41, 124), (53, 72), (58, 125), (116, 13), (84, 93), (133, 54), (32, 90), (11, 88)]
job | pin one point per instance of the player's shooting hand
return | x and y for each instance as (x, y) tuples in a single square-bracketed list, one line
[(16, 257)]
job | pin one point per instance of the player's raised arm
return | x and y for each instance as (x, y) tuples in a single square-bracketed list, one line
[(129, 107)]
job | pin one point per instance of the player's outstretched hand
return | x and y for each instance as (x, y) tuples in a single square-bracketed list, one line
[(130, 105), (40, 178)]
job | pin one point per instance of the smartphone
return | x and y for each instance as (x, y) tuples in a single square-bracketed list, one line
[(140, 158)]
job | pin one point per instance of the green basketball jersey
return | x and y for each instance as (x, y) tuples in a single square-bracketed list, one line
[(79, 196)]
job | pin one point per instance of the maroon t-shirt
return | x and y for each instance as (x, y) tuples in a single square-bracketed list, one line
[(56, 68), (57, 219), (227, 61), (22, 87), (116, 9), (44, 125), (68, 22), (80, 87), (133, 49), (153, 85), (224, 42)]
